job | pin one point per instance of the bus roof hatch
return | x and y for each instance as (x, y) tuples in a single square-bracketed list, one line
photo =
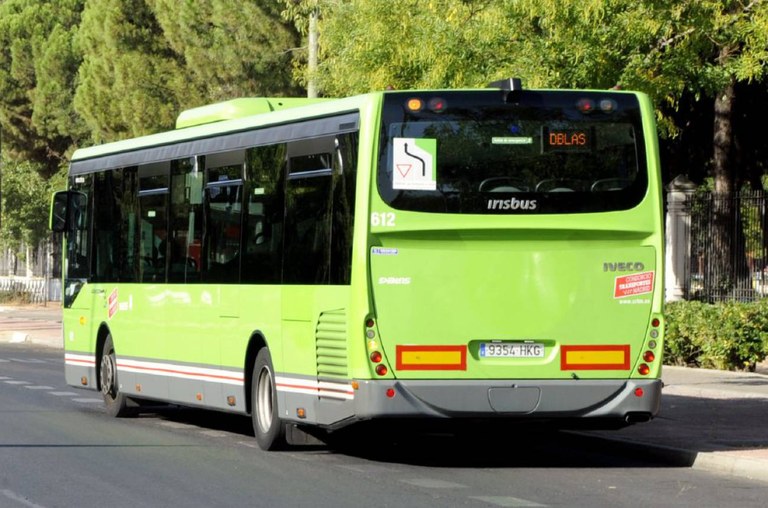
[(238, 108)]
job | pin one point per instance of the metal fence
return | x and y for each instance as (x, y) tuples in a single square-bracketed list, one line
[(728, 247)]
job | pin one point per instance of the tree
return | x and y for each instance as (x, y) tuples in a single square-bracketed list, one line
[(224, 56), (38, 69), (24, 204), (144, 61), (694, 54), (368, 46), (131, 82)]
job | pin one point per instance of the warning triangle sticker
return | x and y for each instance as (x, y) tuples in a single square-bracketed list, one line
[(404, 169)]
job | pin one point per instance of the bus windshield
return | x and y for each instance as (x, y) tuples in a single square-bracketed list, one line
[(531, 152)]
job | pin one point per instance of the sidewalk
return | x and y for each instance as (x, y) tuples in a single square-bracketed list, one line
[(32, 324), (710, 420)]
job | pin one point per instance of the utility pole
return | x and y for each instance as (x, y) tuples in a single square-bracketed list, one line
[(1, 178), (312, 58)]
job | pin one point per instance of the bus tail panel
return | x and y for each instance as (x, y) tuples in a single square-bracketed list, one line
[(615, 401), (495, 309)]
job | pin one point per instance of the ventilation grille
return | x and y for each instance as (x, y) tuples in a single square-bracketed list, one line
[(331, 344)]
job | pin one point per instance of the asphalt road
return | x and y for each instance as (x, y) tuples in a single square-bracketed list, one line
[(59, 449)]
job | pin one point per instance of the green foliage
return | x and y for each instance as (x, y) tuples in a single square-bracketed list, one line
[(223, 57), (15, 297), (38, 69), (728, 336), (144, 61), (666, 48), (411, 44), (24, 204)]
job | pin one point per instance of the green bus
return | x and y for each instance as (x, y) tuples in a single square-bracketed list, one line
[(476, 255)]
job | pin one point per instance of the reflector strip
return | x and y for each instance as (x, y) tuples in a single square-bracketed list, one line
[(594, 357), (343, 391), (431, 357), (73, 359), (181, 371)]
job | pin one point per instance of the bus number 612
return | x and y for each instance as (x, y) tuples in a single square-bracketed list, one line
[(385, 219)]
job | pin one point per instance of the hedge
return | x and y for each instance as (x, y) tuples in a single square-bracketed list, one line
[(726, 335)]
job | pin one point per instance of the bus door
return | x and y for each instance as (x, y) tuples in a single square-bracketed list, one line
[(80, 300)]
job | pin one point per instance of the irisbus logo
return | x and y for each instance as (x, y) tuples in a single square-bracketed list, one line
[(512, 204)]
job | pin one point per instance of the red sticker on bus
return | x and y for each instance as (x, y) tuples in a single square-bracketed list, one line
[(635, 284), (112, 301)]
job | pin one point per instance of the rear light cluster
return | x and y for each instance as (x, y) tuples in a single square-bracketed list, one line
[(649, 356), (373, 346)]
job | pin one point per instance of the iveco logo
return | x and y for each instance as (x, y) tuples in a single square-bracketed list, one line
[(512, 204), (627, 266)]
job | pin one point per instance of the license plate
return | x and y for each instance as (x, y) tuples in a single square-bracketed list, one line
[(511, 350)]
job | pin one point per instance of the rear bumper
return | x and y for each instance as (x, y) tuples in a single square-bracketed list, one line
[(536, 399)]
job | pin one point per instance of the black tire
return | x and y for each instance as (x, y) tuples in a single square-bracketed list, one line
[(116, 402), (267, 425)]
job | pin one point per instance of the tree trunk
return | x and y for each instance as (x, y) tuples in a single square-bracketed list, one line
[(723, 141), (729, 276)]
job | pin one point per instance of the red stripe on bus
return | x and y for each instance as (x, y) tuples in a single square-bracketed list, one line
[(85, 362), (173, 371)]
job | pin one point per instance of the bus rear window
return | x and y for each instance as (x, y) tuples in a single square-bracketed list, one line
[(535, 152)]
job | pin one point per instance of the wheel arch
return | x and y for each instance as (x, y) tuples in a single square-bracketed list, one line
[(255, 344)]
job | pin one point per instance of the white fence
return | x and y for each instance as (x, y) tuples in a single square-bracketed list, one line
[(38, 290), (35, 275)]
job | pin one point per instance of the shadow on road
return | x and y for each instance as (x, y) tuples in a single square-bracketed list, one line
[(476, 445)]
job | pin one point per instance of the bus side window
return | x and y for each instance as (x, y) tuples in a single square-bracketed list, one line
[(186, 218), (153, 222), (263, 228), (342, 223), (223, 211), (308, 207), (115, 232)]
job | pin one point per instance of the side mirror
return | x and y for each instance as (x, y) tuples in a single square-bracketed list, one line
[(68, 210), (59, 209)]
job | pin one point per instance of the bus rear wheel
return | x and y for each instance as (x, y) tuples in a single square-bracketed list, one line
[(115, 401), (267, 425)]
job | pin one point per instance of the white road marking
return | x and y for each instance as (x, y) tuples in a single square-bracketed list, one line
[(19, 498), (508, 501), (429, 483), (63, 394), (35, 387)]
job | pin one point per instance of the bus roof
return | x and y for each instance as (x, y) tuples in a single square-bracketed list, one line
[(244, 114), (232, 116)]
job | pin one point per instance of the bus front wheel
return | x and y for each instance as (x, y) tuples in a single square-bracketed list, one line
[(267, 425), (115, 401)]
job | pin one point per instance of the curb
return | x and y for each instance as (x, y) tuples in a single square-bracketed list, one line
[(712, 462), (15, 337), (724, 462)]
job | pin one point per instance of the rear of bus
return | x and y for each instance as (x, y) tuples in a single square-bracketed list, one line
[(516, 257)]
